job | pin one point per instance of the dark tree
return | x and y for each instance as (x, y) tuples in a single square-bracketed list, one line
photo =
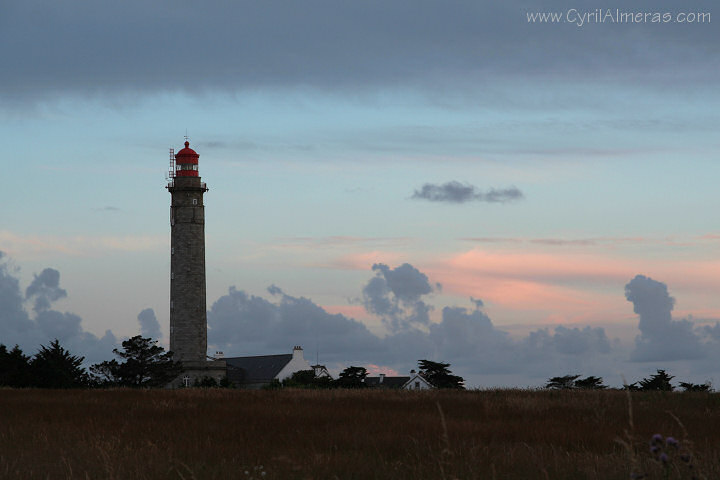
[(562, 383), (589, 383), (14, 368), (55, 367), (439, 375), (145, 365), (694, 387), (574, 382), (659, 381), (307, 379), (352, 377)]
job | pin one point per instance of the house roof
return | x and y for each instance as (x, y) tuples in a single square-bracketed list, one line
[(388, 382), (258, 369)]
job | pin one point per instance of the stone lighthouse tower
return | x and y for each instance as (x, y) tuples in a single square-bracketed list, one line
[(188, 315)]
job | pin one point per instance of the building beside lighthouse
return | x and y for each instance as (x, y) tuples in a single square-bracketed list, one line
[(188, 313)]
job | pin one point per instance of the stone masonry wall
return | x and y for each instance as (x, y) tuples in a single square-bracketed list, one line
[(188, 315)]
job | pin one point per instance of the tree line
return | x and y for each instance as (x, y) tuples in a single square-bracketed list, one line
[(142, 364), (659, 381), (438, 374)]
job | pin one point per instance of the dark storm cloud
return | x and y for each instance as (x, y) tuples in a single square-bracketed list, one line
[(81, 47), (149, 326), (17, 327), (661, 337), (456, 192)]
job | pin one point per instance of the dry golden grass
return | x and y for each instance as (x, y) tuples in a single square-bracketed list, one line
[(302, 434)]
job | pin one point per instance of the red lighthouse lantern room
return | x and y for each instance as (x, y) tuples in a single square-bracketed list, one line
[(186, 162)]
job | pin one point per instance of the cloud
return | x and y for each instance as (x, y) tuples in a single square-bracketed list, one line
[(45, 289), (456, 192), (468, 337), (18, 327), (324, 44), (566, 283), (15, 323), (573, 340), (149, 326), (579, 242), (478, 303), (661, 337), (395, 296), (242, 324)]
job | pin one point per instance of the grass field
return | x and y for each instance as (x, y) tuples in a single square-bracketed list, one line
[(341, 434)]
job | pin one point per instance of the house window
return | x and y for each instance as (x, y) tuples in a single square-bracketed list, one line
[(186, 381), (194, 201), (172, 250), (172, 276), (172, 304), (417, 385)]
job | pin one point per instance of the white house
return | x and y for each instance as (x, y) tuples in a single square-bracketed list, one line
[(417, 382)]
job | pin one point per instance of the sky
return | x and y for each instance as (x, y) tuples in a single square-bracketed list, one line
[(389, 181)]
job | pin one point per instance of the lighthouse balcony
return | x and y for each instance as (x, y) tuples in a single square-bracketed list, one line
[(171, 184)]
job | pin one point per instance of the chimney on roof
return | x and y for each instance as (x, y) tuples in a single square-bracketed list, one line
[(298, 352), (412, 372), (382, 377)]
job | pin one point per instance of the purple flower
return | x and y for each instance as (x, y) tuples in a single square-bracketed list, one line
[(654, 449), (671, 442), (663, 457), (657, 438)]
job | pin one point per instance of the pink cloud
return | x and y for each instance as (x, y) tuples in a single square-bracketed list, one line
[(374, 370), (542, 266), (566, 287), (561, 286)]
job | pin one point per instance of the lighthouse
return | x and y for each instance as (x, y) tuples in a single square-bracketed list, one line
[(188, 314)]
